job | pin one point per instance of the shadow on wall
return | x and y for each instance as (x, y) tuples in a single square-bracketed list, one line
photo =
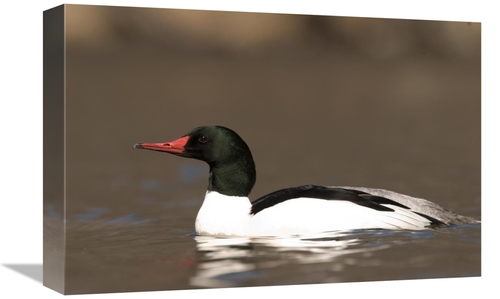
[(33, 271)]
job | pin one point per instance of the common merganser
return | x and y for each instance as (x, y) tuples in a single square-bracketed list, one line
[(303, 210)]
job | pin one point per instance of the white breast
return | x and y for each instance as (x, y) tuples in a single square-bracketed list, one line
[(223, 215)]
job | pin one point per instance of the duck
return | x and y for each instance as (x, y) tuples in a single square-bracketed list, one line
[(296, 211)]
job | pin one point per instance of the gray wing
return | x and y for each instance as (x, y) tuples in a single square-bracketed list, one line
[(419, 205)]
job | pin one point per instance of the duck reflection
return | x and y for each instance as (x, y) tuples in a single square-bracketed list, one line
[(234, 261)]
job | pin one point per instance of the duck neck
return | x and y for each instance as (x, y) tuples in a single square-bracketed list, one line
[(232, 179)]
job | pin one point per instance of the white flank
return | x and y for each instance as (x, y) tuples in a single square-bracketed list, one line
[(230, 215)]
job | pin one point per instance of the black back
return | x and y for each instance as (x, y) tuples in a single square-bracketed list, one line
[(327, 193)]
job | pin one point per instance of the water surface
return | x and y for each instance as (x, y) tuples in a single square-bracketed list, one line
[(133, 255)]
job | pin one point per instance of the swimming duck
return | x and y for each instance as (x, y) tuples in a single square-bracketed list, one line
[(302, 210)]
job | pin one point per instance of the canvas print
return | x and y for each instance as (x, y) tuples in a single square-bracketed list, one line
[(190, 149)]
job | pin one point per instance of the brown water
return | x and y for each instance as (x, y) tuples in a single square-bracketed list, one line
[(410, 124)]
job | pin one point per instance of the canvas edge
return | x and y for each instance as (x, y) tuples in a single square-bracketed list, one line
[(54, 148)]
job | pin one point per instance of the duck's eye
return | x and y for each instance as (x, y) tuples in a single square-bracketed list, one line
[(203, 139)]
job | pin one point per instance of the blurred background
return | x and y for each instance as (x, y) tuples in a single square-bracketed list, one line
[(101, 28), (392, 104)]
